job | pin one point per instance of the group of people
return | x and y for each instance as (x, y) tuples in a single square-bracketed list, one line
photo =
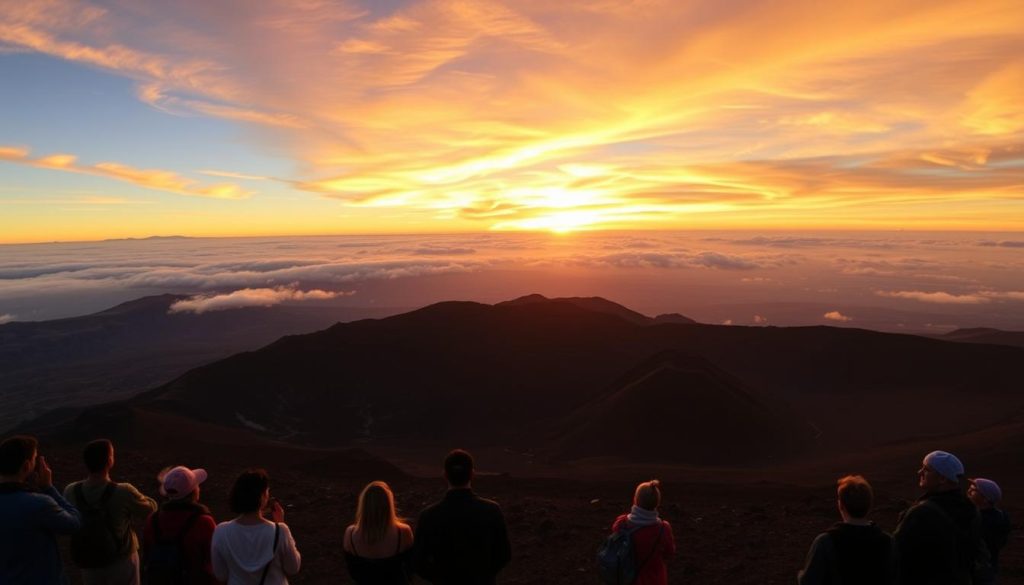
[(950, 536), (460, 539), (947, 537)]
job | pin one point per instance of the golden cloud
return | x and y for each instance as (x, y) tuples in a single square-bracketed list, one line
[(158, 179)]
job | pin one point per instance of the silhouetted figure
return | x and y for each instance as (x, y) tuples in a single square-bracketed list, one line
[(252, 550), (461, 540), (995, 523), (938, 539), (32, 514), (378, 546), (176, 541), (653, 542), (106, 549), (854, 551)]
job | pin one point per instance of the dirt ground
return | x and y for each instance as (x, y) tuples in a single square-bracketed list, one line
[(731, 527)]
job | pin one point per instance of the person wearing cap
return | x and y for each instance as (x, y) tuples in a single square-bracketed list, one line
[(120, 501), (461, 540), (32, 515), (182, 519), (855, 551), (938, 539), (995, 523)]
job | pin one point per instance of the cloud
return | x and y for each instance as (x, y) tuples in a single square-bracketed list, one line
[(937, 297), (659, 259), (566, 116), (251, 297), (759, 320), (837, 316), (6, 318), (149, 178), (1003, 243)]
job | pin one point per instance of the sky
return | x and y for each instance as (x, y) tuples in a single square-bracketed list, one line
[(195, 118), (915, 282)]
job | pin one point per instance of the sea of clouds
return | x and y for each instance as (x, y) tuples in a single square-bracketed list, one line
[(947, 279)]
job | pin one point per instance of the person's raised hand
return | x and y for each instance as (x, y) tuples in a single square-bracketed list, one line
[(276, 511), (44, 475)]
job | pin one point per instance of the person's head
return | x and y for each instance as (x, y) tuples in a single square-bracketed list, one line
[(376, 511), (18, 456), (855, 497), (98, 456), (985, 493), (250, 492), (940, 471), (181, 483), (458, 468), (648, 495)]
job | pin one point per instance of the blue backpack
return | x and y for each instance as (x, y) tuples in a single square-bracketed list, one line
[(616, 559)]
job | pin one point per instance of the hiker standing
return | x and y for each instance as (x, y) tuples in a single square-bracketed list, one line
[(855, 551), (176, 541), (32, 514), (378, 546), (252, 550), (938, 539), (461, 540), (651, 537), (995, 523), (106, 548)]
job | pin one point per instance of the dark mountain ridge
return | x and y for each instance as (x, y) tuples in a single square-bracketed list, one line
[(520, 374)]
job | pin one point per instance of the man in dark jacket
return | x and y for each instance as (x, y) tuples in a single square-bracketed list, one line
[(995, 523), (938, 539), (32, 514), (855, 551), (461, 540)]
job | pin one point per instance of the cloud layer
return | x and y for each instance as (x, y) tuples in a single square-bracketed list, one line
[(251, 297)]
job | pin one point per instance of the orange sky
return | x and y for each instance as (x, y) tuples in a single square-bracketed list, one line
[(445, 116)]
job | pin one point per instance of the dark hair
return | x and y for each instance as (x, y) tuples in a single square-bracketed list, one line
[(458, 467), (856, 495), (248, 490), (15, 451), (97, 454), (648, 495)]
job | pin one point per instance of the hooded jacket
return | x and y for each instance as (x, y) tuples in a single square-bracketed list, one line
[(242, 551), (173, 516), (938, 542)]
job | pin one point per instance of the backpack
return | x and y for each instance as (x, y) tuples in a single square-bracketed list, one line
[(616, 558), (97, 543), (165, 562)]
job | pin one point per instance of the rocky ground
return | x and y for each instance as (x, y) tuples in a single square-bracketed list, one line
[(734, 528)]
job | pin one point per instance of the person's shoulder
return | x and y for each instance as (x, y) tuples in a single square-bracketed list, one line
[(620, 522), (69, 490), (486, 503)]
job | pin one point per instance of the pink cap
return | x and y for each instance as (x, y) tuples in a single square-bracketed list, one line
[(181, 481)]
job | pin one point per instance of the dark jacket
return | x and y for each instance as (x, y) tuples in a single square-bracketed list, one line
[(848, 554), (995, 530), (29, 524), (938, 542), (461, 540)]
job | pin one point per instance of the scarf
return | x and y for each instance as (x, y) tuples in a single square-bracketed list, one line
[(640, 517)]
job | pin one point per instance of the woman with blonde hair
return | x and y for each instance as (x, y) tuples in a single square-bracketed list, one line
[(653, 541), (378, 546)]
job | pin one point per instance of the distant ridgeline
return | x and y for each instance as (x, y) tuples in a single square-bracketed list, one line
[(584, 377)]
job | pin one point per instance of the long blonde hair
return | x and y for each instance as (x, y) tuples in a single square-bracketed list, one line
[(376, 511)]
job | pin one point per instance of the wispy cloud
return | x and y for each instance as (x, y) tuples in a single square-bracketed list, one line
[(158, 179), (251, 297), (938, 297), (566, 116), (6, 318)]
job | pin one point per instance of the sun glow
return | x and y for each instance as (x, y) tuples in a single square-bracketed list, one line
[(438, 116)]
